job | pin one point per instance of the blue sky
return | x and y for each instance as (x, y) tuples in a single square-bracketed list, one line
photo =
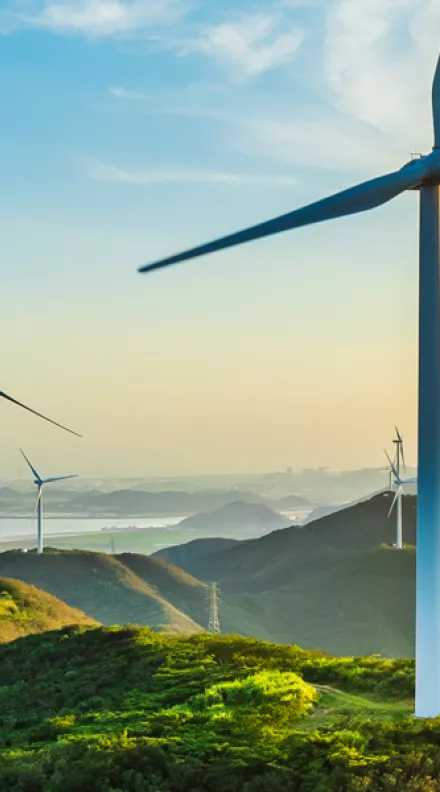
[(131, 130)]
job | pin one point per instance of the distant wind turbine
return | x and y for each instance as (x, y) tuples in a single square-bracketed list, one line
[(4, 395), (421, 174), (40, 483), (400, 455), (399, 482), (388, 469)]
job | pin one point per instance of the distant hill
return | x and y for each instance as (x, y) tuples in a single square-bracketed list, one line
[(25, 610), (336, 584), (189, 555), (175, 585), (238, 519), (273, 559), (291, 502), (149, 504), (100, 585)]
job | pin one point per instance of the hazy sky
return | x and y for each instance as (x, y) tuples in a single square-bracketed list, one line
[(132, 129)]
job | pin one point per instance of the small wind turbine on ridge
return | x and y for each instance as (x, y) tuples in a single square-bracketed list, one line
[(400, 455), (399, 482), (40, 483), (422, 174)]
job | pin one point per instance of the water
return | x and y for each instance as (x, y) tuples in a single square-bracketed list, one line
[(24, 527)]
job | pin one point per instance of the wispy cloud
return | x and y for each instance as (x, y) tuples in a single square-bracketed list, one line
[(379, 58), (249, 45), (100, 18), (111, 173)]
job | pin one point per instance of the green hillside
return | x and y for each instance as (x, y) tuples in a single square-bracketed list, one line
[(273, 559), (25, 610), (100, 585), (337, 583), (127, 710)]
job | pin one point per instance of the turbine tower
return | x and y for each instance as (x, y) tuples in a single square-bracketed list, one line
[(399, 482), (422, 174), (214, 620), (40, 483)]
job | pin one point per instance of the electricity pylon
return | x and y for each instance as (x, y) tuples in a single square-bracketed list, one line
[(214, 620)]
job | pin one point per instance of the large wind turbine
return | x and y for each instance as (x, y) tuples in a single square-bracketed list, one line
[(4, 395), (424, 175), (40, 483), (399, 482)]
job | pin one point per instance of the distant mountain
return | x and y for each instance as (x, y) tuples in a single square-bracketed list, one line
[(100, 585), (336, 583), (237, 519), (291, 502), (125, 502), (25, 610), (191, 554), (275, 557)]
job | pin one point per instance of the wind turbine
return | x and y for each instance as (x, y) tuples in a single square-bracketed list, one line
[(398, 441), (40, 483), (4, 395), (424, 175), (389, 469), (399, 482)]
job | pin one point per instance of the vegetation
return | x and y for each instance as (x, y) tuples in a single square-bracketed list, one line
[(126, 710), (336, 583), (107, 589), (25, 610)]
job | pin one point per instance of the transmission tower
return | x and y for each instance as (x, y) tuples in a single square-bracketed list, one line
[(214, 621)]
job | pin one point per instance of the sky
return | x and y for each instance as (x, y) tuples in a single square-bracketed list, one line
[(132, 129)]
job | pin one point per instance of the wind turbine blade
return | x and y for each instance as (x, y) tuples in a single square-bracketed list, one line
[(37, 475), (58, 478), (29, 409), (394, 500), (403, 456), (391, 464), (356, 199), (399, 437), (39, 496), (436, 105)]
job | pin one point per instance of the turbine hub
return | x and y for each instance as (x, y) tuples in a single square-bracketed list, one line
[(432, 164)]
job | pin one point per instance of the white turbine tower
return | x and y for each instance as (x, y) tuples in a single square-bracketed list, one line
[(399, 482), (40, 483), (424, 175)]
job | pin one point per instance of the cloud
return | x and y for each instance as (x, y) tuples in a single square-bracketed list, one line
[(251, 45), (379, 58), (110, 173), (100, 18)]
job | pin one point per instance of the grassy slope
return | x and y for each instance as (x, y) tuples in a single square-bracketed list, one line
[(275, 558), (100, 585), (330, 584), (359, 605), (128, 710), (25, 610)]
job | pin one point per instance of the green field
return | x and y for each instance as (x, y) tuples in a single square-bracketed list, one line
[(126, 710)]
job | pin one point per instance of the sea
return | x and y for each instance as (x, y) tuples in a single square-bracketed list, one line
[(20, 528)]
